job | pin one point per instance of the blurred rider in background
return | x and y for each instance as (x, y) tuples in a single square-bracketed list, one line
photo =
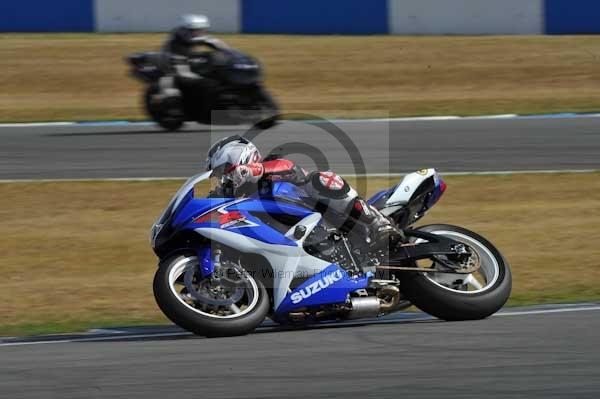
[(190, 35), (192, 32)]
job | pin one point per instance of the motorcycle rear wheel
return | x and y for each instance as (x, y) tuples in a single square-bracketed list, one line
[(453, 297)]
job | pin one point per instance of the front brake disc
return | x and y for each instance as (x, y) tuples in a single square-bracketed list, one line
[(199, 295)]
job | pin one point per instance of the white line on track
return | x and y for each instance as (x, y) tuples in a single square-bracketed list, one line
[(457, 118), (466, 173), (545, 311), (484, 173), (38, 124), (97, 339), (341, 120), (121, 337)]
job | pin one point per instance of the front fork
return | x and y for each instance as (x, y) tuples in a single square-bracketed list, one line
[(207, 262)]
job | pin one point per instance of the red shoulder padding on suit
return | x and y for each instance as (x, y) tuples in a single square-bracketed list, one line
[(278, 166)]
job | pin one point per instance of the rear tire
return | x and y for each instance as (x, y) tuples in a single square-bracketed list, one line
[(452, 304), (193, 320)]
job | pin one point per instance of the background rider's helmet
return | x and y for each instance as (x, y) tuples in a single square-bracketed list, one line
[(233, 150), (193, 26)]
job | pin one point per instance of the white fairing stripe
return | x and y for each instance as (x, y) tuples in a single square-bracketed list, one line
[(287, 261)]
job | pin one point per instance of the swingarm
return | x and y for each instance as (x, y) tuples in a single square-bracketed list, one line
[(448, 255)]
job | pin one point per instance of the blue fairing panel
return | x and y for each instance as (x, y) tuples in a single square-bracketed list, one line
[(271, 207), (193, 208), (288, 190), (196, 207), (377, 196), (237, 217), (332, 285)]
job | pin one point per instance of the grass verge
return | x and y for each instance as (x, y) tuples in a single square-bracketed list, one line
[(83, 76), (76, 255)]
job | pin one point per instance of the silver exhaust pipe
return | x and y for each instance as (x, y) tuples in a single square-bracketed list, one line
[(364, 307)]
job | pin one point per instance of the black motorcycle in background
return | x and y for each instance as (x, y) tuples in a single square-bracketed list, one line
[(231, 84)]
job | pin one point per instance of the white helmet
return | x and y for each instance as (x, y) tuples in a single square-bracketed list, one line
[(233, 150), (195, 22)]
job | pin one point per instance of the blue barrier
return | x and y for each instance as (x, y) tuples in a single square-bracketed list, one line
[(298, 16), (47, 16), (572, 16), (315, 16)]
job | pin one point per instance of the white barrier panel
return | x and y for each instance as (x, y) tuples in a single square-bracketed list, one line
[(466, 17), (163, 15)]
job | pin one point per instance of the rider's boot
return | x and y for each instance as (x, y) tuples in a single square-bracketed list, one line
[(379, 230)]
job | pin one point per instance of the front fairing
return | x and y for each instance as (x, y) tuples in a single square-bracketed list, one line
[(162, 228), (184, 212), (240, 69)]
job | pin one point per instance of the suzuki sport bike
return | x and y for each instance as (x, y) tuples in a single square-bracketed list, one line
[(228, 263), (231, 83)]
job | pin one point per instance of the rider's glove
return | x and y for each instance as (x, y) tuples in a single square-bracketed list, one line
[(242, 174)]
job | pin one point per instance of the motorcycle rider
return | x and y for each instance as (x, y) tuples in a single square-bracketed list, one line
[(192, 32), (189, 35), (237, 161)]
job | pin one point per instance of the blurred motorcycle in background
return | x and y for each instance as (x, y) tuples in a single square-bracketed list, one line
[(231, 82)]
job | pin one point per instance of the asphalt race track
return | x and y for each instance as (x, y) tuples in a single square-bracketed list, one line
[(531, 353), (141, 150), (539, 353)]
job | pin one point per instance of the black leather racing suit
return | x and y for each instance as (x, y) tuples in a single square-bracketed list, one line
[(179, 43)]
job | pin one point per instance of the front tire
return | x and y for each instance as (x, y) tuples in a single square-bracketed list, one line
[(467, 299), (267, 123), (170, 295), (167, 114), (269, 109)]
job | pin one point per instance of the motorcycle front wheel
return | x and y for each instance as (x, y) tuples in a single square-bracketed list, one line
[(453, 296), (230, 303), (267, 109), (166, 114)]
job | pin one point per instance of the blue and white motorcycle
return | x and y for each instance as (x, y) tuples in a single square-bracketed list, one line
[(228, 263)]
